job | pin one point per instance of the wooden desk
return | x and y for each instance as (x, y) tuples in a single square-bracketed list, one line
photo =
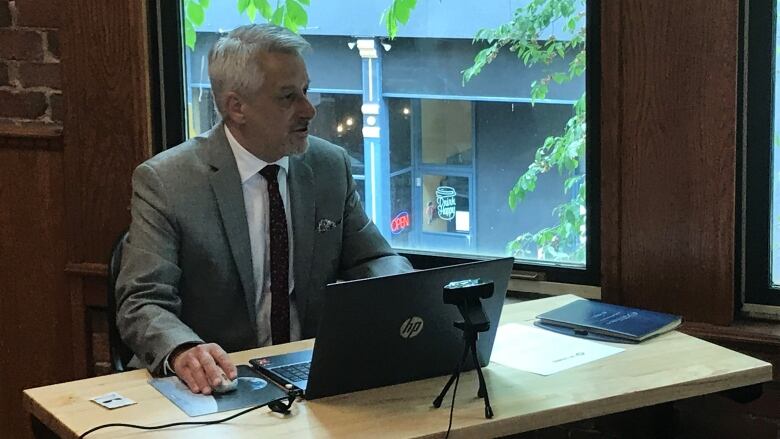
[(667, 368)]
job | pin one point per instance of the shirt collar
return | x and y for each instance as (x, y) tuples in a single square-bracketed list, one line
[(249, 164)]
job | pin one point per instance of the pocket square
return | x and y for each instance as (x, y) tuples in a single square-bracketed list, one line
[(326, 224)]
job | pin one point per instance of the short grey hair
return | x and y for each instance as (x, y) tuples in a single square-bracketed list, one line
[(234, 60)]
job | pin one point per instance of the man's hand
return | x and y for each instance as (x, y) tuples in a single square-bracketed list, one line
[(203, 366)]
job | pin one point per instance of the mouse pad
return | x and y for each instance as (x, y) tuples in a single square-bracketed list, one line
[(252, 390)]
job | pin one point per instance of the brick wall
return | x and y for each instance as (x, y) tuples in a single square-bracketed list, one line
[(30, 77)]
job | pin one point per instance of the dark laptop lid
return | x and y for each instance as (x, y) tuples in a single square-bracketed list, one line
[(394, 329)]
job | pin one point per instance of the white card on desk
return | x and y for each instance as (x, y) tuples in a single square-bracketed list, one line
[(112, 400), (543, 352)]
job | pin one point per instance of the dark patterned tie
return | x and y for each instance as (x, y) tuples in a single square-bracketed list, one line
[(280, 259)]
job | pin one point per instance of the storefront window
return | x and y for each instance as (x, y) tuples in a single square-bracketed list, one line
[(450, 153)]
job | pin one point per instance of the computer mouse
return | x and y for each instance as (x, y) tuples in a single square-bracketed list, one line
[(226, 386)]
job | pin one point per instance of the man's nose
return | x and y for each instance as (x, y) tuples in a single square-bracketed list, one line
[(306, 109)]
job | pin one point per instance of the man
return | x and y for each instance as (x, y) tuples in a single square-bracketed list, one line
[(236, 232)]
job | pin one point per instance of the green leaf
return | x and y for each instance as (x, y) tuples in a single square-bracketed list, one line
[(569, 217), (559, 77), (305, 2), (264, 8), (388, 16), (538, 91), (392, 23), (251, 12), (290, 24), (403, 10), (189, 35), (296, 13), (402, 15), (398, 12), (567, 229), (571, 181), (278, 16), (242, 5), (195, 13), (204, 3)]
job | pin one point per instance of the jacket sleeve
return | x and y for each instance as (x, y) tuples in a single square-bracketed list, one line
[(147, 295), (365, 252)]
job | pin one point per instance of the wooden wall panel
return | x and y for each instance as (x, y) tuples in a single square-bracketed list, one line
[(107, 133), (35, 324), (107, 123), (611, 126), (670, 134)]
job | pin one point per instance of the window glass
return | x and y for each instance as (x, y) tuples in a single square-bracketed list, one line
[(403, 211), (446, 130), (759, 121), (446, 203), (400, 115), (458, 145), (338, 121), (360, 182)]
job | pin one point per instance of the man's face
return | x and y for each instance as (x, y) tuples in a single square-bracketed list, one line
[(275, 121)]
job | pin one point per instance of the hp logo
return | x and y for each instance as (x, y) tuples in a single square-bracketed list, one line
[(411, 327)]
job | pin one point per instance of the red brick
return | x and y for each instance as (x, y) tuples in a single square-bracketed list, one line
[(53, 40), (57, 112), (20, 45), (24, 104), (4, 74), (39, 13), (40, 75), (5, 14)]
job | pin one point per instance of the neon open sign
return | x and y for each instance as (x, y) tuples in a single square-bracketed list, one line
[(400, 223)]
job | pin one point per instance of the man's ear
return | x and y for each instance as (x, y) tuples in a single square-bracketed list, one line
[(234, 108)]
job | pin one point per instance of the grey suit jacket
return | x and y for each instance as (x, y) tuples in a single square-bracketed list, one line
[(186, 269)]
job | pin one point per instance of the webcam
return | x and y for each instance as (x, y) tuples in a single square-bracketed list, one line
[(466, 295)]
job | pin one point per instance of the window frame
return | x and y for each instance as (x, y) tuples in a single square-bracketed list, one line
[(756, 129), (166, 68), (168, 127)]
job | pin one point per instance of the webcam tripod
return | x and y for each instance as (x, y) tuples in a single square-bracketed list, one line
[(471, 332)]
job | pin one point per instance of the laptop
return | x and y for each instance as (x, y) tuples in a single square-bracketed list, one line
[(389, 330)]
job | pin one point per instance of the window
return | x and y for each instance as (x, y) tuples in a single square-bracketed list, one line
[(761, 156), (460, 148)]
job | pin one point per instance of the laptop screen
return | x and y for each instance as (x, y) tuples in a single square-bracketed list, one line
[(394, 329)]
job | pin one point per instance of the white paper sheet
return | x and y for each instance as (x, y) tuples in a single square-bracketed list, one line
[(112, 400), (543, 352)]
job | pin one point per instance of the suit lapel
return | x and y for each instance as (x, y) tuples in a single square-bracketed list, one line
[(302, 204), (226, 184)]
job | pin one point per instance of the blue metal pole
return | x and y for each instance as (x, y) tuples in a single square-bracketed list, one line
[(376, 133)]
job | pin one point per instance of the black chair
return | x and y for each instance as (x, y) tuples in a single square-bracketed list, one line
[(120, 353)]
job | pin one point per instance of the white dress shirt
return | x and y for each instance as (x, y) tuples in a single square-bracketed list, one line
[(255, 191)]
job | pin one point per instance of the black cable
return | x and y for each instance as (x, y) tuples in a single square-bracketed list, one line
[(452, 406), (455, 390), (277, 405)]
